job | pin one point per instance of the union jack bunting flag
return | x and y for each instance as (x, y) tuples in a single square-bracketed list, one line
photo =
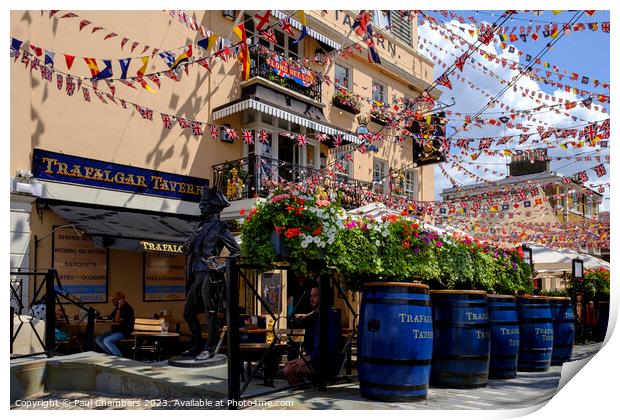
[(462, 143), (444, 81), (232, 133), (285, 24), (524, 138), (339, 166), (338, 140), (263, 136), (301, 139), (460, 62), (214, 131), (583, 176), (183, 122), (248, 136), (59, 80), (70, 86), (600, 170), (601, 189), (504, 140), (268, 36), (322, 137), (102, 99), (486, 143), (84, 91), (348, 157), (361, 149), (46, 73), (197, 128), (167, 121)]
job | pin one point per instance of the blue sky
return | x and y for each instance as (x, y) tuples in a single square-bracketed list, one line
[(586, 53)]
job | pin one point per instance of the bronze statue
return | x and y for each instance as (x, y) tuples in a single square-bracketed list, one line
[(205, 277)]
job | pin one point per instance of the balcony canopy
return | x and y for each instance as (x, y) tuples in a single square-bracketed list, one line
[(265, 100)]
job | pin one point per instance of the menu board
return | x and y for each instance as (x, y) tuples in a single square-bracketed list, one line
[(82, 267), (164, 277)]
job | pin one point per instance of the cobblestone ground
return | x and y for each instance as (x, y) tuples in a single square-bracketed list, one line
[(528, 389)]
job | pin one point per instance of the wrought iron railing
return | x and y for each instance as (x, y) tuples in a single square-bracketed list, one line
[(256, 176), (260, 68), (51, 293)]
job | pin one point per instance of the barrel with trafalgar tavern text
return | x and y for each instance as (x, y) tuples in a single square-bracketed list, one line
[(461, 345), (395, 341), (536, 333), (504, 328), (563, 329)]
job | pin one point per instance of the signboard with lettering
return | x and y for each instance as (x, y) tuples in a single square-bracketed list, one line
[(283, 68), (96, 173), (82, 267), (164, 277)]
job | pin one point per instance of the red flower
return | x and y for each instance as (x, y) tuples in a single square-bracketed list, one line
[(279, 229), (242, 212), (317, 231), (292, 232), (406, 244)]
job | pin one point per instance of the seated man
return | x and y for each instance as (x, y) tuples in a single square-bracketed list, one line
[(123, 318), (306, 366)]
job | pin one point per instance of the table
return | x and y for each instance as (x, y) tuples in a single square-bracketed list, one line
[(140, 336)]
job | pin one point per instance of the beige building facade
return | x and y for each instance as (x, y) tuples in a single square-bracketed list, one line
[(118, 217)]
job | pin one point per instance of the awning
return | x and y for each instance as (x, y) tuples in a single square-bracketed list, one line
[(311, 32), (119, 228), (265, 100)]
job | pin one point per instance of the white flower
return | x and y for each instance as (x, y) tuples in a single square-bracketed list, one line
[(378, 242)]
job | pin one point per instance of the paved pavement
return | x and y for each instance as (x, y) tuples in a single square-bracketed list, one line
[(526, 390)]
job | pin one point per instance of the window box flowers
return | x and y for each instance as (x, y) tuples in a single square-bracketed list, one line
[(346, 100)]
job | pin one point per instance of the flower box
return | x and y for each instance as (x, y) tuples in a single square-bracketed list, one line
[(378, 120), (339, 104)]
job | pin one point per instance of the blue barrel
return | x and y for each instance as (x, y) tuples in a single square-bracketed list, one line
[(603, 320), (395, 341), (563, 329), (504, 328), (536, 333), (461, 346)]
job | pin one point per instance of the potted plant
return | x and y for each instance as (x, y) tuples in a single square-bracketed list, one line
[(346, 100), (290, 225), (381, 115)]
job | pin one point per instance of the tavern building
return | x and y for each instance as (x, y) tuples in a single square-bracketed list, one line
[(107, 196)]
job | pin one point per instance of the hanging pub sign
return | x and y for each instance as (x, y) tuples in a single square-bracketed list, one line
[(82, 267), (298, 74), (428, 139), (70, 169)]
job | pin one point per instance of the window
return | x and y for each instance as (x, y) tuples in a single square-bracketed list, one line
[(573, 200), (410, 183), (342, 76), (378, 92), (379, 174), (381, 19), (346, 164)]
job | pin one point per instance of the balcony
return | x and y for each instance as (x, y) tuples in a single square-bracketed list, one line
[(260, 57), (256, 176)]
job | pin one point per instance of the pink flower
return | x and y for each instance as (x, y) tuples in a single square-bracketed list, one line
[(351, 224), (281, 197), (439, 244), (322, 203)]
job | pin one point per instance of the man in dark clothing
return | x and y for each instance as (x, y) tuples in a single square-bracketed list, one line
[(305, 366), (205, 277), (123, 318)]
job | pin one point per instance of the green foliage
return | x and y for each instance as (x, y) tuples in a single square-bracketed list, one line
[(455, 265), (594, 285)]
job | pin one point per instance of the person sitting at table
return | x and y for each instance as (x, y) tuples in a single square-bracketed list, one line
[(123, 321), (306, 366)]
